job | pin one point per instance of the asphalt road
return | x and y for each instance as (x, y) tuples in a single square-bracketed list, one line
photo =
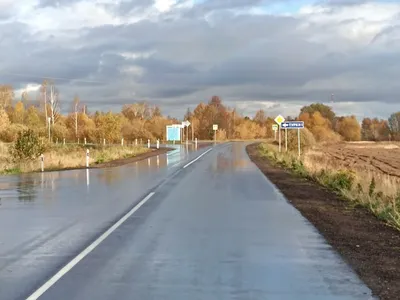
[(46, 219), (213, 229)]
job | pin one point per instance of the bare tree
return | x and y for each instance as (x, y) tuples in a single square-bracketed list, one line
[(75, 111), (44, 95), (54, 104)]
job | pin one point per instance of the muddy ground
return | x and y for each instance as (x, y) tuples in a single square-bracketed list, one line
[(369, 246)]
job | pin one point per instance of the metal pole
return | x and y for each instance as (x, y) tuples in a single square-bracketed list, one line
[(187, 134), (87, 158), (158, 144), (275, 132), (286, 139), (298, 141), (135, 142), (122, 142), (42, 162), (280, 139), (104, 142), (84, 140), (148, 143)]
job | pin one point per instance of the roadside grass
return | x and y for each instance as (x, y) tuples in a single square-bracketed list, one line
[(58, 157), (379, 193)]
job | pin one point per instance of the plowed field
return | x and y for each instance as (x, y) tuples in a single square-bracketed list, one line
[(374, 157)]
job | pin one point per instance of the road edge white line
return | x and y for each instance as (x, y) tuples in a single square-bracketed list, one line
[(48, 284), (197, 158)]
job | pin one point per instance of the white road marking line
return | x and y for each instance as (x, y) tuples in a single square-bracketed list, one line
[(39, 292), (197, 158)]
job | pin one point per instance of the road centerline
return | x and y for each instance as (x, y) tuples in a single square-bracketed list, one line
[(196, 159)]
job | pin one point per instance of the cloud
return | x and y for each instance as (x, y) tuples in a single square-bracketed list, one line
[(179, 52)]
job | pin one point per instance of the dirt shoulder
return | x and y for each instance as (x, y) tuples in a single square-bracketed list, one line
[(369, 246)]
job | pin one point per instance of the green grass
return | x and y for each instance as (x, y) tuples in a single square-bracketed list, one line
[(11, 171)]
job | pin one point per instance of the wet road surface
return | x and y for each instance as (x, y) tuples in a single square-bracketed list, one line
[(46, 219), (216, 229)]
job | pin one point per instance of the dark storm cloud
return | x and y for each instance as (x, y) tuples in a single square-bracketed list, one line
[(187, 60)]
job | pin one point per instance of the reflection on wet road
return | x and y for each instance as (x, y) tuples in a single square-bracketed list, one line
[(214, 230), (47, 217)]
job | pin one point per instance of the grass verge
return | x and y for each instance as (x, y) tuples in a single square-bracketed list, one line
[(378, 193), (58, 157)]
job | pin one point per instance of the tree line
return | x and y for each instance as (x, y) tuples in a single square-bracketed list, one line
[(142, 120)]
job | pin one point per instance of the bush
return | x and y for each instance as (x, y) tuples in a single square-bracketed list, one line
[(341, 181), (27, 146), (307, 139)]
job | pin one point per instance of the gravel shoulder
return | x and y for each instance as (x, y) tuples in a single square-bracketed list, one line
[(368, 245)]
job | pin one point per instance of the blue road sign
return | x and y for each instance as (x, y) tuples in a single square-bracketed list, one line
[(173, 133), (293, 125)]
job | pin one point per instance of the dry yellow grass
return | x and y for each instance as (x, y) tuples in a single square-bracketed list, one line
[(66, 157), (383, 201)]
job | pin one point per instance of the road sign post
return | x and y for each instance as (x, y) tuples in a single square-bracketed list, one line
[(275, 130), (42, 162), (215, 128), (87, 158), (295, 125), (298, 141), (279, 120), (286, 140)]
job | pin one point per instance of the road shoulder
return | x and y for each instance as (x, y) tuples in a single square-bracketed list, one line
[(369, 246)]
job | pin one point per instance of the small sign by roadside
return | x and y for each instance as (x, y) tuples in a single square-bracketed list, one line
[(279, 120), (215, 127), (275, 127)]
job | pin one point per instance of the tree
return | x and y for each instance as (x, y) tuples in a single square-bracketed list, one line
[(6, 95), (108, 126), (27, 146), (19, 113), (319, 126), (349, 128), (54, 104), (156, 112), (136, 111), (32, 118), (324, 110), (75, 108), (4, 120), (394, 125), (366, 130), (375, 130), (260, 117)]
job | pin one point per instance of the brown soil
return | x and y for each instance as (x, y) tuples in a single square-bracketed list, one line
[(376, 157), (369, 246)]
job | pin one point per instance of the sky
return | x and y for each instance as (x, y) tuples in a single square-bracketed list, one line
[(269, 54)]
